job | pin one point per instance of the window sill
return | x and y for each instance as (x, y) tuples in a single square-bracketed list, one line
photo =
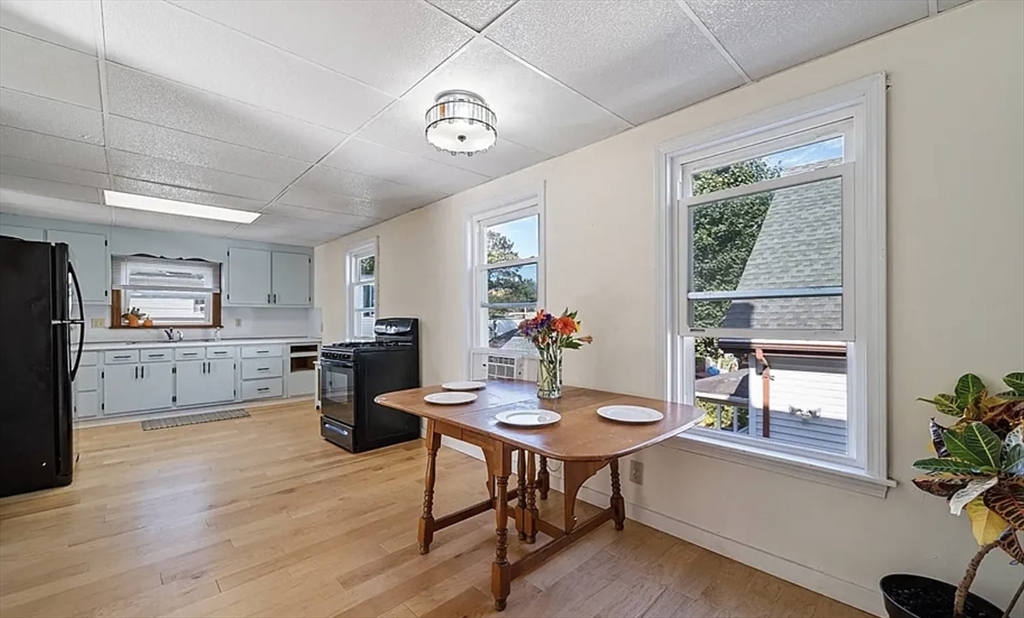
[(795, 466)]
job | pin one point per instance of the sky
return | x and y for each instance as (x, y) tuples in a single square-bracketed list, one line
[(819, 151), (522, 233)]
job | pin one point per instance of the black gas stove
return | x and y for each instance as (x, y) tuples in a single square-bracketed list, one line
[(353, 373)]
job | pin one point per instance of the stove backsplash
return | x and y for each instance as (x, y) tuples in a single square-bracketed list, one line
[(256, 322)]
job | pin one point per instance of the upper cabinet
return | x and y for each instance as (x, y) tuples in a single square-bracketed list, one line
[(24, 233), (260, 278), (290, 276), (89, 256)]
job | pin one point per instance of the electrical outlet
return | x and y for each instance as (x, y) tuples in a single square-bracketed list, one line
[(98, 322), (238, 322), (636, 471)]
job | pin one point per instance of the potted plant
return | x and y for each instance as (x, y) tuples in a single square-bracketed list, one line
[(978, 468), (134, 316)]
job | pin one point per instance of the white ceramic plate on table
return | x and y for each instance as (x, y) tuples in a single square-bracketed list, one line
[(463, 386), (450, 398), (528, 418), (630, 414)]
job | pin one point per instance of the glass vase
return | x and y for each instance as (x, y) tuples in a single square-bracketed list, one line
[(549, 375)]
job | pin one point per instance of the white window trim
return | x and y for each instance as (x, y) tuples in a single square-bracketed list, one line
[(867, 362), (352, 257), (490, 212)]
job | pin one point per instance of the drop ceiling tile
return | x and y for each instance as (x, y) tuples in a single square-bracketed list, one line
[(476, 14), (141, 96), (306, 198), (171, 42), (332, 180), (70, 23), (49, 149), (767, 36), (388, 45), (48, 188), (156, 141), (314, 215), (47, 171), (48, 70), (126, 217), (26, 111), (140, 187), (303, 226), (277, 235), (371, 159), (532, 110), (948, 4), (641, 60), (162, 171), (34, 205)]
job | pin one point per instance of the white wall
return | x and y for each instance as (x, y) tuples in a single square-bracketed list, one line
[(956, 296)]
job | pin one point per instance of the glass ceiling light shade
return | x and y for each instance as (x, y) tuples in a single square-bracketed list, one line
[(459, 122), (174, 207)]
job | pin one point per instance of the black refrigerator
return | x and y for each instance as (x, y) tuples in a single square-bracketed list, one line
[(38, 288)]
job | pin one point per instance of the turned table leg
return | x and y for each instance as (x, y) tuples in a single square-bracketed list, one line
[(617, 503), (501, 570), (544, 478), (530, 514), (521, 504), (426, 529)]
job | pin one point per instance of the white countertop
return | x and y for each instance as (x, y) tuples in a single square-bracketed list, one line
[(187, 343)]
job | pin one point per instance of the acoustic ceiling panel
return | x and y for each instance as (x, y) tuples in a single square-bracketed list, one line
[(34, 113), (70, 23), (49, 149), (181, 194), (477, 14), (48, 70), (48, 171), (162, 171)]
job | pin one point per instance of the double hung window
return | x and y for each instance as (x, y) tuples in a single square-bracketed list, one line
[(362, 291)]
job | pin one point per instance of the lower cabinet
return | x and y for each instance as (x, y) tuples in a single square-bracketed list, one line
[(137, 388), (205, 382)]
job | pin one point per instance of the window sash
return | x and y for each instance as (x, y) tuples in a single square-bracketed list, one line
[(134, 297), (355, 281), (685, 256)]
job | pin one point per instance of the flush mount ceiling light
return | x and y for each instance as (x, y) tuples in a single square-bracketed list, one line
[(173, 207), (459, 122)]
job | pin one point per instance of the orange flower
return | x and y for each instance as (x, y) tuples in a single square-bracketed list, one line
[(565, 326)]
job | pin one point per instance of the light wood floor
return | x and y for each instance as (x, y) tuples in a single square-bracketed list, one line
[(260, 517)]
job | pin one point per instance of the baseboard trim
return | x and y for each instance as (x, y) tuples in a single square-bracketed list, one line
[(865, 599)]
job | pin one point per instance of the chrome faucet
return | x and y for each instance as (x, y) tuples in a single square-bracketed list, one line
[(174, 335)]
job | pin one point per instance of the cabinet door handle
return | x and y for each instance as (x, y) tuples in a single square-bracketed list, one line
[(143, 372), (275, 299), (136, 372), (268, 299)]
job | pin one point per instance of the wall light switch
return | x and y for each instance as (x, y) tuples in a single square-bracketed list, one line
[(98, 322), (238, 321)]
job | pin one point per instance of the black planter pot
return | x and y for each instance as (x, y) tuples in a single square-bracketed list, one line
[(914, 596)]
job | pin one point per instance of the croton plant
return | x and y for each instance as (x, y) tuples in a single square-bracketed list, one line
[(979, 466)]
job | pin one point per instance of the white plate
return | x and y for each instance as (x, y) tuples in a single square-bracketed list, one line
[(449, 398), (630, 414), (463, 386), (528, 418)]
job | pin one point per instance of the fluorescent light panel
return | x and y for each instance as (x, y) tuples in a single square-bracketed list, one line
[(174, 207)]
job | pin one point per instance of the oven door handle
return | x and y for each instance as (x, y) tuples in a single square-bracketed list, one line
[(334, 363)]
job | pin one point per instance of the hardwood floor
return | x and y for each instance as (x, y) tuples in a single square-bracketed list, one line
[(260, 517)]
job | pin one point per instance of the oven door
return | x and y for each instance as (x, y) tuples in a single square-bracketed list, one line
[(338, 391)]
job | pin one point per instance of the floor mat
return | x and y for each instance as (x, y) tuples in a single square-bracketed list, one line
[(193, 419)]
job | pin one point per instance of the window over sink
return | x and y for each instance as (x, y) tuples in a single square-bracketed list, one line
[(169, 292)]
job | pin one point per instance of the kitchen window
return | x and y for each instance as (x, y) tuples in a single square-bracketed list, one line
[(507, 275), (774, 284), (170, 292), (362, 290)]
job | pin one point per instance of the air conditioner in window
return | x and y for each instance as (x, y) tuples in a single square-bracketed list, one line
[(489, 366)]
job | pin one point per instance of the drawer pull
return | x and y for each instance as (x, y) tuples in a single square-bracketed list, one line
[(219, 352), (263, 369), (263, 390), (121, 357), (190, 354), (154, 356), (263, 351)]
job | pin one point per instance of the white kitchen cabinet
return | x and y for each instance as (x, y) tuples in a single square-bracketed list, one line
[(248, 277), (205, 382), (137, 388), (290, 275), (24, 233), (260, 278), (91, 261)]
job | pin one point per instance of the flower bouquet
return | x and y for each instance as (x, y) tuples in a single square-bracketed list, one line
[(551, 335)]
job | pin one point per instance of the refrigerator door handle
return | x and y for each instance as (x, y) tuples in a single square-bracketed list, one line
[(80, 321)]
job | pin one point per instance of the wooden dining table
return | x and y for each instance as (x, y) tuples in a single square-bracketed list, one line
[(582, 440)]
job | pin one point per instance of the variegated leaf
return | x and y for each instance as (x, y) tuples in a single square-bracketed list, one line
[(1013, 452), (943, 485), (974, 489), (936, 431), (944, 403), (969, 389), (1007, 500), (1015, 381), (1012, 546), (985, 524), (946, 464), (975, 444)]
